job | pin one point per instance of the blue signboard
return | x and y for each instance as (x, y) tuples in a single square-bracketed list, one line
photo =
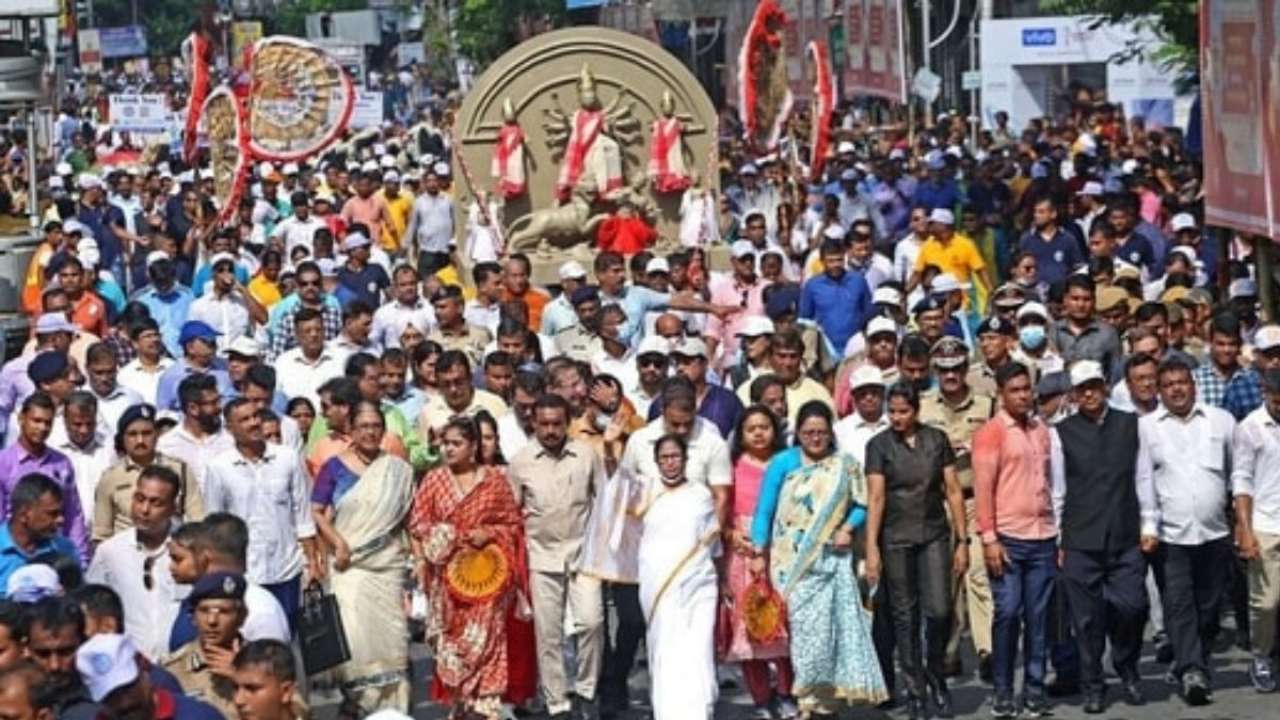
[(1039, 37), (122, 42)]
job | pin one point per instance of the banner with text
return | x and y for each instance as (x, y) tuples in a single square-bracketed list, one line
[(874, 49), (139, 113)]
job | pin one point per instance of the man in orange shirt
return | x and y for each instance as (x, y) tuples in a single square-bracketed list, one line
[(33, 285), (366, 207), (515, 286), (88, 312)]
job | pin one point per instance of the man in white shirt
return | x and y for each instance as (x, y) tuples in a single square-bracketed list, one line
[(485, 309), (407, 308), (199, 437), (1255, 483), (113, 398), (142, 374), (1184, 457), (515, 427), (357, 326), (905, 252), (430, 226), (87, 444), (266, 485), (305, 368), (868, 418), (227, 308), (300, 228), (135, 563)]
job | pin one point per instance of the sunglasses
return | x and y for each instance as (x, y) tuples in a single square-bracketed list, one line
[(653, 361)]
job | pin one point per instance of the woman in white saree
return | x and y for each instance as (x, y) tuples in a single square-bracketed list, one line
[(360, 500)]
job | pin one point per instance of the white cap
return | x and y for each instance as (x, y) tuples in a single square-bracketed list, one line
[(379, 149), (186, 177), (690, 347), (749, 169), (388, 715), (63, 168), (741, 248), (1093, 188), (391, 176), (355, 240), (55, 182), (441, 169), (107, 662), (886, 296), (265, 168), (1185, 251), (657, 265), (156, 256), (221, 257), (89, 252), (866, 374), (942, 215), (369, 166), (1033, 309), (1244, 287), (879, 325), (73, 225), (653, 344), (845, 148), (206, 174), (328, 267), (755, 326), (88, 181), (946, 283), (387, 162), (572, 270), (897, 154), (33, 583), (246, 346), (290, 168), (1129, 167), (1182, 221), (833, 232), (1086, 371), (1267, 338)]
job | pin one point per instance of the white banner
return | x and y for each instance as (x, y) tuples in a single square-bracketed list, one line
[(139, 113), (367, 111)]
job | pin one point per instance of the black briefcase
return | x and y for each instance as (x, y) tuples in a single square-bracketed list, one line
[(320, 631)]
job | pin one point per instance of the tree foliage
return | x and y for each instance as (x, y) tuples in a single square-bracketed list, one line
[(1178, 21), (487, 28)]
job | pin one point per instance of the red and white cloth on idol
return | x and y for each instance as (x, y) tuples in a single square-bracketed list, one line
[(667, 170), (508, 161), (591, 155)]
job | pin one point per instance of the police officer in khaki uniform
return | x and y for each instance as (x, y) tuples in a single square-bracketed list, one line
[(996, 337), (581, 341), (958, 410), (452, 331), (205, 666)]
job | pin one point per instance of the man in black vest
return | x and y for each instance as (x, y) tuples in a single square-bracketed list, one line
[(1106, 528)]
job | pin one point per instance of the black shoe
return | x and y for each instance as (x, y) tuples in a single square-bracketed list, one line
[(952, 668), (985, 672), (1063, 687), (1093, 704), (561, 716), (1002, 706), (1034, 705), (1133, 693), (941, 697), (1164, 653), (916, 710), (1195, 688)]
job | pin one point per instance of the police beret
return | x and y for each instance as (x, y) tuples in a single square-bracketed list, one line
[(996, 326), (218, 586), (584, 293), (141, 411), (47, 367), (926, 304)]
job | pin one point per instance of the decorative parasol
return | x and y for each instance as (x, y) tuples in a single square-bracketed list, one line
[(196, 50), (300, 99), (224, 123), (763, 611), (824, 104), (475, 575), (764, 95)]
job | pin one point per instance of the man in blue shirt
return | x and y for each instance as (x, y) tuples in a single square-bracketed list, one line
[(938, 191), (1131, 246), (35, 515), (199, 348), (1057, 253), (638, 301), (168, 301), (838, 300)]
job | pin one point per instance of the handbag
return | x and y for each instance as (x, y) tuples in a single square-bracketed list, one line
[(320, 632)]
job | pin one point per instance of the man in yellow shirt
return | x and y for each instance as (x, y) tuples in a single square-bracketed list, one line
[(952, 253), (399, 204)]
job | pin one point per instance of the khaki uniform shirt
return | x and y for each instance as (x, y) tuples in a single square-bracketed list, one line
[(472, 342), (578, 343), (113, 495), (199, 682), (982, 379), (959, 423), (555, 494)]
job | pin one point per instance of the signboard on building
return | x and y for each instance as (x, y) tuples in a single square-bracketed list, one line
[(139, 113), (367, 111), (123, 42), (89, 47)]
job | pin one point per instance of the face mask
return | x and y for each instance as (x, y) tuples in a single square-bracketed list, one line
[(1031, 336)]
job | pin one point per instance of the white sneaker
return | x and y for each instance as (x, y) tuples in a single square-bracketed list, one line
[(788, 709)]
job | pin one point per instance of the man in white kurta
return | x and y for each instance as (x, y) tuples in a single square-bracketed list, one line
[(678, 591)]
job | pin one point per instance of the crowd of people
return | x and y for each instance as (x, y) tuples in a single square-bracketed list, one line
[(1001, 392)]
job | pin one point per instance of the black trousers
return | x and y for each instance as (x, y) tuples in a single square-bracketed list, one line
[(1193, 586), (919, 580), (1107, 592), (621, 643), (882, 635)]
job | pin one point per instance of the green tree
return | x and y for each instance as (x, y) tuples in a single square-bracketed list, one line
[(1178, 21), (291, 18), (487, 28), (167, 22)]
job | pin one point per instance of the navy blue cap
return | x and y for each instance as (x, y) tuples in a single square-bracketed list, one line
[(197, 330), (48, 366), (1051, 384), (584, 293), (926, 304), (141, 411), (994, 325), (218, 586), (783, 300)]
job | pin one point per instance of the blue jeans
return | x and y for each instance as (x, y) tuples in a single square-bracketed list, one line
[(1022, 595)]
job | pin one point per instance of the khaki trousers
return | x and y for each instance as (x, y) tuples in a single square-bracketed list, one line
[(974, 608), (1264, 594), (567, 605)]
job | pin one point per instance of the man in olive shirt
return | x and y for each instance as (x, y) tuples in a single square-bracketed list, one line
[(452, 331), (204, 666), (555, 481), (958, 410)]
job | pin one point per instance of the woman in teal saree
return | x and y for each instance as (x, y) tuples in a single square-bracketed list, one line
[(811, 502)]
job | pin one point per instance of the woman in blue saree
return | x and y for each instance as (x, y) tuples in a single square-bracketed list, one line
[(812, 500)]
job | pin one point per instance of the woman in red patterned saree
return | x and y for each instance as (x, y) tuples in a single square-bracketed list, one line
[(459, 506)]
